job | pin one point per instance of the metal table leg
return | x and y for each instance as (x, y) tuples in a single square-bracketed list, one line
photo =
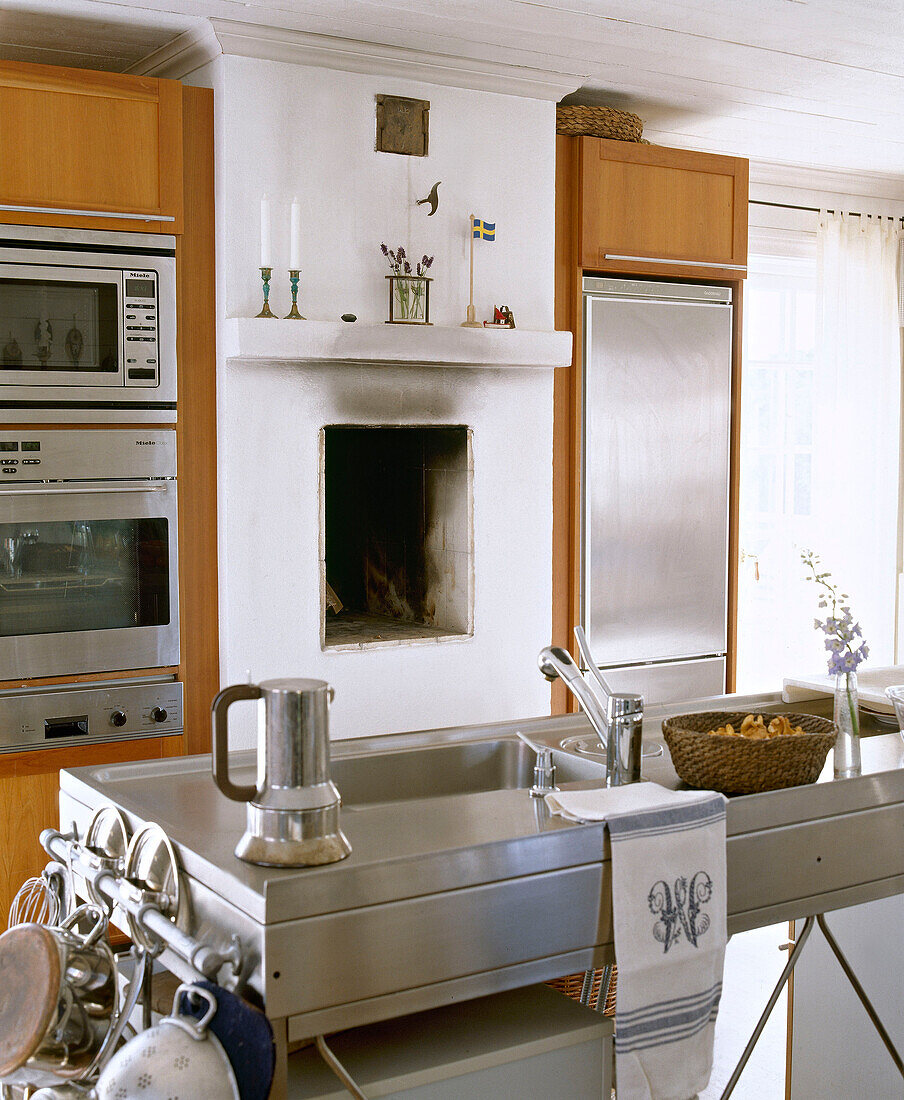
[(800, 940), (761, 1023)]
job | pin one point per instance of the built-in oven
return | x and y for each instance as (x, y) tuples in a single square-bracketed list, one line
[(88, 551), (87, 326)]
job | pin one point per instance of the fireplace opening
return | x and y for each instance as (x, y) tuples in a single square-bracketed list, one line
[(397, 560)]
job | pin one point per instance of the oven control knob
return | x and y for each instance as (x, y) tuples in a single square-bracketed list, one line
[(118, 718), (158, 714)]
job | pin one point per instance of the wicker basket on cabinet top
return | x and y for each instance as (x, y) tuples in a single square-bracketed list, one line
[(604, 122)]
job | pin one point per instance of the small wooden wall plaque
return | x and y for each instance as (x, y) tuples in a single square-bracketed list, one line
[(403, 125)]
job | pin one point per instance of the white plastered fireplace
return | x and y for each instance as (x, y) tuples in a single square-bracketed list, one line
[(289, 130)]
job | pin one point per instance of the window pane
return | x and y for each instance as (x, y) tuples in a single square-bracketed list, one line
[(803, 465), (800, 408), (777, 436), (765, 324)]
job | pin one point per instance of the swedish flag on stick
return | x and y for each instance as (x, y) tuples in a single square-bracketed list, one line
[(483, 231)]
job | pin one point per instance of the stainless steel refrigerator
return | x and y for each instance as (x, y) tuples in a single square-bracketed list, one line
[(657, 394)]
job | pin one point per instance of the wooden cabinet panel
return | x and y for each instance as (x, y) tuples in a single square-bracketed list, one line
[(196, 437), (79, 140), (29, 801), (686, 210), (27, 805)]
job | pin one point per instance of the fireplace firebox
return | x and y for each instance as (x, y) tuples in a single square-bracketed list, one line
[(397, 546)]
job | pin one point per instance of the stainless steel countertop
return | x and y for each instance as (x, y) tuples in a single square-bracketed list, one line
[(454, 841), (461, 895)]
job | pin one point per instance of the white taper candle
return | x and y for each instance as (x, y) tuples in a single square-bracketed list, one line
[(266, 242), (295, 236)]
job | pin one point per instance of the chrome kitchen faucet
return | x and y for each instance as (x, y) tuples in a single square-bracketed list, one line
[(617, 717)]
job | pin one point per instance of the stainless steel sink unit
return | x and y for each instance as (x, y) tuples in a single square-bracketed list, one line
[(459, 884), (439, 771)]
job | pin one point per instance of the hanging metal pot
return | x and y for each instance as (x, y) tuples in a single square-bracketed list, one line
[(58, 998)]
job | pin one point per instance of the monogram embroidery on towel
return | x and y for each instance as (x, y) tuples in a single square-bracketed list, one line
[(680, 912)]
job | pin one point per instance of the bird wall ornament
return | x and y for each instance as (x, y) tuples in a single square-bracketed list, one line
[(432, 198)]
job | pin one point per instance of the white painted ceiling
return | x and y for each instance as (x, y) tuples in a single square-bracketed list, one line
[(807, 82)]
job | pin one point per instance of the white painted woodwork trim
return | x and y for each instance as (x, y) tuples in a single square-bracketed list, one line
[(197, 47), (871, 192), (254, 339), (181, 56)]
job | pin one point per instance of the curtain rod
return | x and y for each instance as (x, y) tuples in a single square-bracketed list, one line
[(819, 209)]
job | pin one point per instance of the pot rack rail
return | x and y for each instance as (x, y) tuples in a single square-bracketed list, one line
[(141, 905)]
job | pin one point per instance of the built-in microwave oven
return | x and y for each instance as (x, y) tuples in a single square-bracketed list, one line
[(87, 326)]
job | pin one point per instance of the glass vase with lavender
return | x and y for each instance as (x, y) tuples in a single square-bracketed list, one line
[(409, 288), (845, 656)]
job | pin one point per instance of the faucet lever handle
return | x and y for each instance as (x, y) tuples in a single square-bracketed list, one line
[(589, 660), (624, 703), (531, 744)]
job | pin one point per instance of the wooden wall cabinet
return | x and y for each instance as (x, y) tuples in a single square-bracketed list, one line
[(679, 212), (102, 143)]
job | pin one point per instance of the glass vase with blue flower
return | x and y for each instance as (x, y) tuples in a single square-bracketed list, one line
[(845, 656)]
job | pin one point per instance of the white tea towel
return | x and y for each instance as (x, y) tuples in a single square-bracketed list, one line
[(669, 919)]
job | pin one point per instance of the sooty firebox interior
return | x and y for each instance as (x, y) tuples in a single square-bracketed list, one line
[(398, 544)]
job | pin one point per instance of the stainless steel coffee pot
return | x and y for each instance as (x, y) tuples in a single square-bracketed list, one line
[(293, 812)]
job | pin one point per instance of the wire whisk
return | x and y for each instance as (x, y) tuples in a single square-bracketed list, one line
[(40, 900)]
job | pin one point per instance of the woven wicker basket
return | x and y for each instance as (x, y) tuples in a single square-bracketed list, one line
[(744, 765), (572, 985), (604, 122)]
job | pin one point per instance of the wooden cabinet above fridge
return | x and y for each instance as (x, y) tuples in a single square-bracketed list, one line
[(650, 210)]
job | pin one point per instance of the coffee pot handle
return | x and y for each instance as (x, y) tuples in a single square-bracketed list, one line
[(218, 710)]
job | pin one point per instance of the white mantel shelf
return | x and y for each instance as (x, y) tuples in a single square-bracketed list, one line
[(264, 340)]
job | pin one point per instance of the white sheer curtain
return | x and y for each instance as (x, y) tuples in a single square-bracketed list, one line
[(856, 454), (820, 421)]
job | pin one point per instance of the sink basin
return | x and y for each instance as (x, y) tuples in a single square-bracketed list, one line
[(439, 770)]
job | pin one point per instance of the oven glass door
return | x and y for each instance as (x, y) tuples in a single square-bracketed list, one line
[(60, 326), (88, 578)]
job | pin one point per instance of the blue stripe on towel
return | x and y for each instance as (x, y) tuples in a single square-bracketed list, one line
[(675, 1003), (670, 819), (670, 1024), (625, 1047), (669, 1020), (681, 827)]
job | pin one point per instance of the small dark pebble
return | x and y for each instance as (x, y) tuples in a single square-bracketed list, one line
[(349, 317)]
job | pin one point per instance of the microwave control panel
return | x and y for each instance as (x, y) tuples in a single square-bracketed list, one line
[(141, 350), (80, 716)]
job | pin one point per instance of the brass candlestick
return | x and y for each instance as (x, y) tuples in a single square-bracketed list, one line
[(293, 313), (266, 272)]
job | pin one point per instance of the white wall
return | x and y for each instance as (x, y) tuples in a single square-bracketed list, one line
[(292, 131), (289, 131)]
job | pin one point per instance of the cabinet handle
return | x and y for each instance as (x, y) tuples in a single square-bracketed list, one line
[(682, 263), (86, 213)]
